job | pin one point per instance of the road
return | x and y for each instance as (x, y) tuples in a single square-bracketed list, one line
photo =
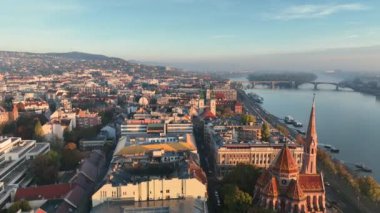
[(254, 108), (207, 160)]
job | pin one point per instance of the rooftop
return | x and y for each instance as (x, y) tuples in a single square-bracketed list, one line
[(53, 191)]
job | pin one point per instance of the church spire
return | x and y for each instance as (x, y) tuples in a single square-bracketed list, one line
[(312, 129), (311, 144)]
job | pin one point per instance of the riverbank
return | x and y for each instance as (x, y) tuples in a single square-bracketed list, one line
[(344, 199)]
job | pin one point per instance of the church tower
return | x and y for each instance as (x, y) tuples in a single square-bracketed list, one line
[(213, 106), (309, 165)]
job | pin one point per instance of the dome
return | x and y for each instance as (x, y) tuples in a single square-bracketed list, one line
[(143, 101)]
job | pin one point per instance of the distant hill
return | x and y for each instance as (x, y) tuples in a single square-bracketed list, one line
[(79, 56), (58, 63)]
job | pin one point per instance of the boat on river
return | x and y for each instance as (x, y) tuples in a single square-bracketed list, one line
[(297, 123), (334, 150), (363, 168), (289, 119), (327, 146)]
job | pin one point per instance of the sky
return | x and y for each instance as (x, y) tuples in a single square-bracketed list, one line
[(202, 34)]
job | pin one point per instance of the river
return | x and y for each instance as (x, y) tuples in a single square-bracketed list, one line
[(346, 119)]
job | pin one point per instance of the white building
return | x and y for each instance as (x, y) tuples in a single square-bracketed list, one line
[(14, 156), (158, 189), (259, 154)]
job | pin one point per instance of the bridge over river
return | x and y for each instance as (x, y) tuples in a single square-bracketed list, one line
[(291, 84)]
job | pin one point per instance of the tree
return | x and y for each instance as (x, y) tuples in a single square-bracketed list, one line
[(45, 168), (52, 106), (70, 159), (76, 134), (38, 131), (283, 130), (265, 132), (8, 103), (234, 199), (247, 119), (71, 146), (67, 136), (369, 187), (243, 176), (25, 127), (9, 128), (107, 116), (22, 204)]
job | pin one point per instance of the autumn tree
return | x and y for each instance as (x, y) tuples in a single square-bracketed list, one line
[(370, 188), (22, 205), (38, 131), (265, 132), (45, 168), (247, 119), (70, 146)]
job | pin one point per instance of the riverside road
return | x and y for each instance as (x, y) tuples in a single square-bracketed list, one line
[(337, 200)]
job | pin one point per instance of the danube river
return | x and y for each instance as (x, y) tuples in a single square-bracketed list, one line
[(348, 120)]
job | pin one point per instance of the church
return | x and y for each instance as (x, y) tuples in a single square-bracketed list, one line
[(284, 187)]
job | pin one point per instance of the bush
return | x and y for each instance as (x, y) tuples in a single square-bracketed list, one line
[(22, 204)]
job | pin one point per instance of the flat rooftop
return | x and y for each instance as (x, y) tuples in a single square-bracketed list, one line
[(38, 147), (258, 144), (140, 143)]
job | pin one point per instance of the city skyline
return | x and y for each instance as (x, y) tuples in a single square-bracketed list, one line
[(202, 35)]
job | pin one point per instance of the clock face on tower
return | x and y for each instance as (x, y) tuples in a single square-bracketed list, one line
[(283, 182)]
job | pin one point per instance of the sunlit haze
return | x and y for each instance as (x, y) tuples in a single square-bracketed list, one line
[(202, 35)]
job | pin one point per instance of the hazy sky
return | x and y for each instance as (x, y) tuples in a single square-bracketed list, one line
[(192, 31)]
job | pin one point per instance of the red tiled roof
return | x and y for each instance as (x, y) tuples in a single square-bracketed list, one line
[(43, 192), (207, 114), (197, 172), (311, 182), (284, 162), (219, 95), (271, 189), (294, 191)]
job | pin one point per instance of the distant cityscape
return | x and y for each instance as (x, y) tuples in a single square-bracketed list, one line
[(89, 133)]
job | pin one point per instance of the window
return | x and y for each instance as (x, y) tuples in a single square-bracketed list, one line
[(167, 191)]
